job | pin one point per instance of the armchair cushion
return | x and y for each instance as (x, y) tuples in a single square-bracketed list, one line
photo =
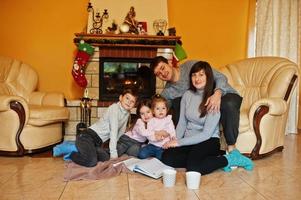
[(49, 98), (43, 115)]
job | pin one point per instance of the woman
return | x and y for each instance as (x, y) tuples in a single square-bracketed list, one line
[(197, 147)]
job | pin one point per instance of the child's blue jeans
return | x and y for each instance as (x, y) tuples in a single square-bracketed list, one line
[(150, 150)]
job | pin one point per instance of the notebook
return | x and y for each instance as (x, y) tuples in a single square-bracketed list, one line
[(150, 167)]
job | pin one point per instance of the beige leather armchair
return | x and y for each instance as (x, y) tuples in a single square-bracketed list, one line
[(266, 85), (30, 121)]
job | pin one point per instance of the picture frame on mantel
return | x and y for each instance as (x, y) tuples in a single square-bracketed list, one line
[(146, 11), (142, 28)]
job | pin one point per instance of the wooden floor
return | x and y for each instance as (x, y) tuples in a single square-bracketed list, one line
[(275, 177)]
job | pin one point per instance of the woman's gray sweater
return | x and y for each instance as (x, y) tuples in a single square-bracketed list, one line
[(192, 129)]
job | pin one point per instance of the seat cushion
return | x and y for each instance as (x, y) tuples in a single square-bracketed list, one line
[(43, 115)]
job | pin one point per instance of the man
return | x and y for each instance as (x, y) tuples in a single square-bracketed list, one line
[(225, 98)]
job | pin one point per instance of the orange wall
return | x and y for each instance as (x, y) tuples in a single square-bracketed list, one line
[(41, 34), (211, 30)]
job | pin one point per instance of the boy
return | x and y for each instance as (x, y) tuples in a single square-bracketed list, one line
[(111, 126)]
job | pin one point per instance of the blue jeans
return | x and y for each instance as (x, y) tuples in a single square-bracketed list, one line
[(150, 150)]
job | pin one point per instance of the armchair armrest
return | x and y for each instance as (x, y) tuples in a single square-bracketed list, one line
[(259, 116), (276, 106), (47, 98), (9, 101), (12, 124)]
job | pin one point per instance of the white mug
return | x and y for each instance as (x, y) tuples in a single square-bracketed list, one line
[(169, 177), (193, 180)]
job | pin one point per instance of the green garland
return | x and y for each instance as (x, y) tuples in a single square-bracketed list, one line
[(127, 41)]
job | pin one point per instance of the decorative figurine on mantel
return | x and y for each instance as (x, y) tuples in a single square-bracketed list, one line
[(113, 28), (172, 31), (160, 26), (131, 21), (97, 19)]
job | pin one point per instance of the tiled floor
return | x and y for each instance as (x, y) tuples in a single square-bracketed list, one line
[(275, 177)]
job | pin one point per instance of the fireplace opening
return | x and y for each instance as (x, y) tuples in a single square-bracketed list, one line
[(117, 74)]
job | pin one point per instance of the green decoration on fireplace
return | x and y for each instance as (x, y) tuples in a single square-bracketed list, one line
[(127, 41)]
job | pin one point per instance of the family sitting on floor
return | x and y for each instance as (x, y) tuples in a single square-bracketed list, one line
[(204, 99)]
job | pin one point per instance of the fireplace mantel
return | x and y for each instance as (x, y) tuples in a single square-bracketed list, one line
[(127, 40)]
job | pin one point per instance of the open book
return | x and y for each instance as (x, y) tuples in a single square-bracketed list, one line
[(149, 167)]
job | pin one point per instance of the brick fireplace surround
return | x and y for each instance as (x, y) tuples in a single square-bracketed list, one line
[(114, 46)]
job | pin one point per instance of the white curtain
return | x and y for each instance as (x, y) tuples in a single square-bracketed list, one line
[(277, 35)]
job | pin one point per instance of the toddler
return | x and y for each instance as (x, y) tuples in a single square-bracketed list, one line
[(160, 129)]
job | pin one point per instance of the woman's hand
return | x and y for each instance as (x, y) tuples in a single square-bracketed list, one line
[(161, 135), (213, 103), (171, 144)]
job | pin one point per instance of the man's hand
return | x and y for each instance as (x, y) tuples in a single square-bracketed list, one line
[(171, 144), (161, 135), (213, 103)]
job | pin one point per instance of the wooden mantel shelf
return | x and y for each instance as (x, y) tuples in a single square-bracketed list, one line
[(128, 40)]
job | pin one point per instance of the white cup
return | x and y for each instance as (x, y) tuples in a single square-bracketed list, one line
[(169, 177), (193, 180)]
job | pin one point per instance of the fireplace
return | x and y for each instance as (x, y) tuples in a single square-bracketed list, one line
[(117, 74), (117, 48), (122, 60)]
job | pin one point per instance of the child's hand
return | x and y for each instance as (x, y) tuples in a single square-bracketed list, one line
[(161, 135), (171, 144)]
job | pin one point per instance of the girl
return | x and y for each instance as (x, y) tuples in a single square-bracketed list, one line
[(111, 126), (161, 122), (130, 143), (197, 146)]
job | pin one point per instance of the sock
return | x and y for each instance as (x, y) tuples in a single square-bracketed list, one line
[(64, 148), (227, 169), (67, 157), (235, 158)]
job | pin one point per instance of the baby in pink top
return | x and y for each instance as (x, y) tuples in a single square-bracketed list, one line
[(160, 129)]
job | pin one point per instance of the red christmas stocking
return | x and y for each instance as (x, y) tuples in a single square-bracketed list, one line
[(80, 62)]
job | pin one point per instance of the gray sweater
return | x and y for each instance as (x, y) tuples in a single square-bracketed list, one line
[(111, 126), (177, 89), (192, 129)]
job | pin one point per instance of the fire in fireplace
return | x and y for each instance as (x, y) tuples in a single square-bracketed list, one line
[(116, 74)]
